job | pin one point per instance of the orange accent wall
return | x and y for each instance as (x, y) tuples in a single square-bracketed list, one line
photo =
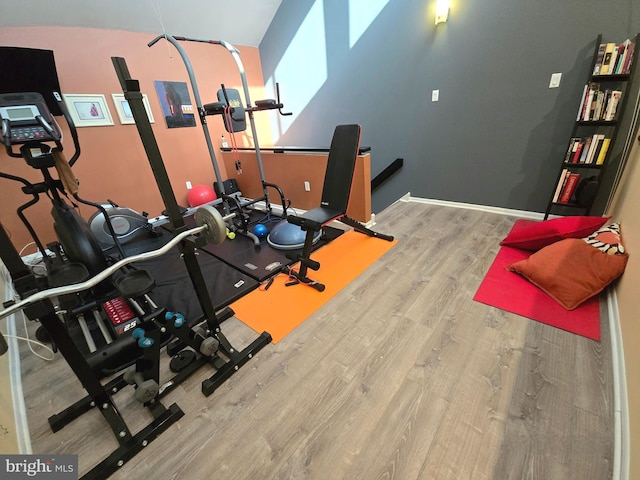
[(290, 170), (113, 164)]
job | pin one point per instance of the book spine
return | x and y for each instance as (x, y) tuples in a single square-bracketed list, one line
[(626, 68), (585, 150), (612, 106), (592, 145), (561, 181), (603, 151), (573, 144), (622, 49), (582, 102), (569, 188), (604, 70), (599, 58), (614, 59), (596, 150), (595, 146), (576, 155)]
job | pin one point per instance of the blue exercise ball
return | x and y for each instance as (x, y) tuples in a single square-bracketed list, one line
[(260, 230)]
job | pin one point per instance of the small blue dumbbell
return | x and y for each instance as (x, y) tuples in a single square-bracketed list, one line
[(143, 342), (178, 318)]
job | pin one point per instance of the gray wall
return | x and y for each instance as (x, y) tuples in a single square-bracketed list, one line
[(498, 134)]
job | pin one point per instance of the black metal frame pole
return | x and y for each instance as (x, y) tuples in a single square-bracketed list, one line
[(131, 89), (200, 108)]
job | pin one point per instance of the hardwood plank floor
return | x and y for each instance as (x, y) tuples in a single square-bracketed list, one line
[(400, 376)]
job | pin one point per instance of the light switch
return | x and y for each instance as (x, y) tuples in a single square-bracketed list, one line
[(435, 95)]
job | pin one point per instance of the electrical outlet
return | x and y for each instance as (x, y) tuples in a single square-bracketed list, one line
[(188, 185), (555, 80), (435, 95), (307, 187)]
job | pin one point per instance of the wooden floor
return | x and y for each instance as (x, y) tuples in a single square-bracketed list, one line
[(400, 376)]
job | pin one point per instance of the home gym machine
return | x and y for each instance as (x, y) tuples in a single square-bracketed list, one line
[(81, 282), (229, 105)]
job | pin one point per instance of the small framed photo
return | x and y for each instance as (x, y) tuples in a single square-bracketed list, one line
[(124, 110), (88, 110)]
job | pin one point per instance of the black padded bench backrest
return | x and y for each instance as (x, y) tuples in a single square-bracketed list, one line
[(340, 167)]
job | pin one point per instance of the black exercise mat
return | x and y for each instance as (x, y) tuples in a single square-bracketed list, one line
[(263, 261), (173, 291), (173, 288)]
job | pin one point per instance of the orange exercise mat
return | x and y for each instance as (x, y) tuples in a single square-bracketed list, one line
[(280, 309)]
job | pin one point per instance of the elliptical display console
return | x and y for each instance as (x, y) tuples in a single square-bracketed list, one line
[(26, 118)]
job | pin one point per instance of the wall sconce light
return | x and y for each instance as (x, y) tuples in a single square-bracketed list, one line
[(442, 11)]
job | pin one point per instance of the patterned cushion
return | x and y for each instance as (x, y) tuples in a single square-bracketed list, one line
[(607, 239)]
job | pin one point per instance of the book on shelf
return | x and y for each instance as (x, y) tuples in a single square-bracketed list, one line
[(593, 88), (596, 141), (599, 58), (585, 150), (578, 151), (626, 67), (603, 151), (598, 104), (596, 151), (614, 59), (573, 145), (583, 99), (561, 182), (612, 105), (569, 187), (620, 58), (606, 61)]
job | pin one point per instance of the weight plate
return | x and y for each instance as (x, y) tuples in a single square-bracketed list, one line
[(216, 230), (182, 360)]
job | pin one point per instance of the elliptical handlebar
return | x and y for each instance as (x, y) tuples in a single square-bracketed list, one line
[(72, 128)]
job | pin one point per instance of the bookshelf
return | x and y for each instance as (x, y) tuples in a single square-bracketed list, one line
[(593, 143)]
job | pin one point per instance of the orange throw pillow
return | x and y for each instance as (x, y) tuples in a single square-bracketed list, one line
[(571, 271)]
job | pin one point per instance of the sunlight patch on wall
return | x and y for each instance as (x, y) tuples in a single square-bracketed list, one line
[(362, 13), (302, 70)]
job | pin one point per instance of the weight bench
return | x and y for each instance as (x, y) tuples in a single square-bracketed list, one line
[(333, 205)]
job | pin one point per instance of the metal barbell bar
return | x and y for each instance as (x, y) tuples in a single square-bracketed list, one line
[(208, 220)]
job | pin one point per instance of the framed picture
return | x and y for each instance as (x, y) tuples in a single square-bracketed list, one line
[(124, 110), (176, 104), (88, 110)]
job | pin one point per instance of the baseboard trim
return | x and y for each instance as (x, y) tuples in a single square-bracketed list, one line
[(15, 374), (622, 445), (472, 206)]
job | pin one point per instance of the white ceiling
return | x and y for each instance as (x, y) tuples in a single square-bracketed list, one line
[(239, 22)]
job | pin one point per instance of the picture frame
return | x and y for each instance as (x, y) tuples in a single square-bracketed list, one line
[(88, 110), (124, 111)]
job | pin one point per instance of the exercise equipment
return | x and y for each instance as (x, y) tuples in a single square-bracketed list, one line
[(260, 230), (210, 224), (209, 220), (200, 194), (333, 205), (81, 279), (287, 236), (234, 113), (125, 223)]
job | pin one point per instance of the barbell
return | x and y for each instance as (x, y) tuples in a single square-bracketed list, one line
[(209, 222)]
